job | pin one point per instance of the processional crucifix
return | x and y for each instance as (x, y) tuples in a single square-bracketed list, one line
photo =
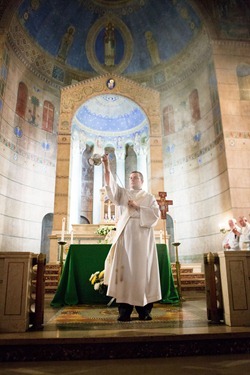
[(163, 206)]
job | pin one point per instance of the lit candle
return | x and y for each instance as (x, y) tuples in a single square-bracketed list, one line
[(63, 229), (109, 211), (175, 231), (72, 237)]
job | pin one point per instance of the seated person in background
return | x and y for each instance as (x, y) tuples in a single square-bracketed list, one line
[(244, 233), (231, 240)]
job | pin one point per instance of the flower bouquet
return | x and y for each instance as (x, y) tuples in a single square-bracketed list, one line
[(105, 230), (97, 280)]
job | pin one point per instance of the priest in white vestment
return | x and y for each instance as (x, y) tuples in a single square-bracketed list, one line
[(231, 240), (131, 267), (244, 233)]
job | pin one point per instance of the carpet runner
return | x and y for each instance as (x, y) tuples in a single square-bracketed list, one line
[(103, 317)]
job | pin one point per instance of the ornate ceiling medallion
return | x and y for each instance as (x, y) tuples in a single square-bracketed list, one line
[(109, 45)]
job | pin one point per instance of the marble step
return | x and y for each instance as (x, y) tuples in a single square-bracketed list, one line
[(51, 277)]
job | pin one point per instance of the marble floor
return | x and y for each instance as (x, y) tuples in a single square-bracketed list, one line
[(205, 349)]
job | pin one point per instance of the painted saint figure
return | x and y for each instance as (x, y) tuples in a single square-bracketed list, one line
[(66, 43), (109, 45), (152, 48)]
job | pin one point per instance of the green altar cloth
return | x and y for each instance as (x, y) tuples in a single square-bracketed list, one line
[(82, 260)]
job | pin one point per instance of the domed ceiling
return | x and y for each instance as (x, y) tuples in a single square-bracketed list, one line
[(109, 117), (143, 32), (111, 36), (112, 114)]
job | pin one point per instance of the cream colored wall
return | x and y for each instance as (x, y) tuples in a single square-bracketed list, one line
[(236, 122), (27, 172), (209, 189), (195, 173)]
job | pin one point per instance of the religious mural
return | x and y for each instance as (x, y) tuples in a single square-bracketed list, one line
[(233, 18), (66, 43), (28, 108), (243, 74), (171, 52), (111, 44)]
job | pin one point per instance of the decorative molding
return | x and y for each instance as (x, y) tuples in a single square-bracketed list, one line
[(201, 152), (119, 7), (237, 135), (230, 43), (73, 96), (26, 155)]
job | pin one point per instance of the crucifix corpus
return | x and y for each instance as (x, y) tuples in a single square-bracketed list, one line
[(163, 206)]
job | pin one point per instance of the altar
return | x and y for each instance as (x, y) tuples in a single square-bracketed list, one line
[(83, 260)]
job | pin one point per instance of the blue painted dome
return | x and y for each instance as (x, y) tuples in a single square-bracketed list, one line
[(130, 37), (145, 32), (110, 114)]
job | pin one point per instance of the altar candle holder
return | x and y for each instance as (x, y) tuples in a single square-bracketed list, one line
[(61, 244), (178, 270)]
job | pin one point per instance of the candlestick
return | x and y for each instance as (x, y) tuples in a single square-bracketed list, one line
[(61, 244), (63, 229), (72, 237), (178, 270)]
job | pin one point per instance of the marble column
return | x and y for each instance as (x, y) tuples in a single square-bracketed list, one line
[(120, 168), (75, 183), (97, 194), (142, 167)]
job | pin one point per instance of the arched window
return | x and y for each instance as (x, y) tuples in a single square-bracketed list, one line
[(22, 98), (130, 162), (87, 183), (194, 106), (48, 116)]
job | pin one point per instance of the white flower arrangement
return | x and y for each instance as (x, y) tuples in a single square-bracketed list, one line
[(104, 230), (97, 280)]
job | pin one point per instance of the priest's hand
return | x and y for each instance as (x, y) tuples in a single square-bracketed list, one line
[(134, 205), (105, 162), (105, 159)]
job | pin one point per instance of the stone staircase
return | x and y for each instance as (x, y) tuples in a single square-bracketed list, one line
[(191, 279), (52, 277)]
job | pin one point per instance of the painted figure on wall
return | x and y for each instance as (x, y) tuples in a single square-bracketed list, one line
[(66, 43), (152, 48), (194, 106), (233, 18), (243, 75), (168, 120), (109, 45), (22, 99)]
